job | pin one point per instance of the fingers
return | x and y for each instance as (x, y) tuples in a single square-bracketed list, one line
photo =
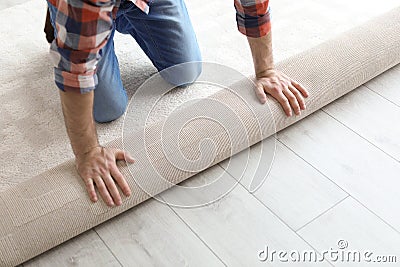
[(301, 88), (299, 97), (260, 93), (121, 155), (282, 99), (103, 191), (289, 93), (90, 189), (286, 94), (112, 189), (119, 178), (292, 100), (107, 187), (99, 169)]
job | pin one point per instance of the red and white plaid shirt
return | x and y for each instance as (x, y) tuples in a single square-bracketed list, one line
[(83, 29)]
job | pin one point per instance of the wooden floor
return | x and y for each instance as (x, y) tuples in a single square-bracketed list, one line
[(336, 176)]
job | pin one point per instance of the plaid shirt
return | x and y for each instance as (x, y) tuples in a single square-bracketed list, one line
[(83, 28), (253, 17)]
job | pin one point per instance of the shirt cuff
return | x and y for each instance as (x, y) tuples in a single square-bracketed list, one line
[(69, 76), (253, 21), (66, 81)]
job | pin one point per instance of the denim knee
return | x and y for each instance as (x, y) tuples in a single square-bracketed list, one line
[(109, 113), (182, 74)]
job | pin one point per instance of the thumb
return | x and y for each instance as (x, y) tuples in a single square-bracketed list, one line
[(122, 155), (259, 90)]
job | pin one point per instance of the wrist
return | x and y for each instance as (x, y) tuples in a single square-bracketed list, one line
[(82, 151), (89, 150), (261, 50), (267, 72), (83, 140), (263, 64)]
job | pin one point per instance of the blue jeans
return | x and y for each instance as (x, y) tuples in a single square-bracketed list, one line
[(165, 35)]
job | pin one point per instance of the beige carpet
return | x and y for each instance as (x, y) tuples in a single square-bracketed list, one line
[(33, 135)]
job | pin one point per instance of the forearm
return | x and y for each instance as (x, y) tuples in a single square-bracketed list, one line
[(261, 50), (78, 116)]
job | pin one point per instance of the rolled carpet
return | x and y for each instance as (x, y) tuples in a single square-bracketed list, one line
[(53, 207)]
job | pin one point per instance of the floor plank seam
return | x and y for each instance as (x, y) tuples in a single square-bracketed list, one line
[(362, 204), (297, 234), (387, 99), (194, 232), (358, 134), (385, 222), (308, 163), (278, 217), (322, 213), (109, 249)]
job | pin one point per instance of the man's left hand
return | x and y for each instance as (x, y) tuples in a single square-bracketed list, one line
[(289, 93)]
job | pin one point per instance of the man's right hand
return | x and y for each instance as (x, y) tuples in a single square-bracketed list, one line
[(98, 167)]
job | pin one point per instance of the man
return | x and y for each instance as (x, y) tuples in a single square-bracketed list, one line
[(87, 71)]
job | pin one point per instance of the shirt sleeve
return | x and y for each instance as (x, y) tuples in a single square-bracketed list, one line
[(253, 17), (83, 28)]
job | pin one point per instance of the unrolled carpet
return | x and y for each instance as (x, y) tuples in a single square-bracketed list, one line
[(53, 207)]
